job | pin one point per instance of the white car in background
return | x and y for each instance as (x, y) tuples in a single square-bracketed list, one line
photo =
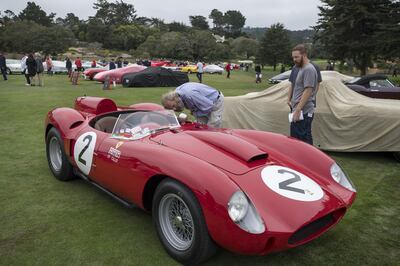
[(13, 66), (213, 69)]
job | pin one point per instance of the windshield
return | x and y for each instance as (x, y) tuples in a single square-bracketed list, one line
[(380, 83), (354, 80), (138, 125)]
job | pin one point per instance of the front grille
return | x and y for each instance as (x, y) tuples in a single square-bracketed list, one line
[(313, 228)]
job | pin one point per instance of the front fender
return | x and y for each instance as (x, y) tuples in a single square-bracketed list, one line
[(211, 186)]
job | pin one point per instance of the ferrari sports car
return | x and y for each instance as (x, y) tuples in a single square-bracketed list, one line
[(116, 74), (89, 73), (375, 86), (247, 191)]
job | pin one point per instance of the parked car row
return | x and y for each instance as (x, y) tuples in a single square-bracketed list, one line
[(14, 66)]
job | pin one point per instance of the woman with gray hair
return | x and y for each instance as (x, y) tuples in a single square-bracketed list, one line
[(204, 102)]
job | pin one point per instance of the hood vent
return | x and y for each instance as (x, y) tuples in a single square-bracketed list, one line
[(238, 147)]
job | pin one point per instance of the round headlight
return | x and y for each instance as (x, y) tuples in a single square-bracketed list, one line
[(238, 206), (339, 176)]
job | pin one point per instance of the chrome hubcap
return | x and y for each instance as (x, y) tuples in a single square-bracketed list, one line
[(55, 154)]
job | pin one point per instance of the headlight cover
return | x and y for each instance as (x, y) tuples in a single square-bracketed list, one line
[(244, 214), (339, 176)]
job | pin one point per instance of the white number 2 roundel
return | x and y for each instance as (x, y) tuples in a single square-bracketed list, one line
[(83, 151), (291, 184)]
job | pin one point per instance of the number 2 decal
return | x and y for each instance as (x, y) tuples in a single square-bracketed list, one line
[(291, 184), (83, 151), (89, 138), (285, 184)]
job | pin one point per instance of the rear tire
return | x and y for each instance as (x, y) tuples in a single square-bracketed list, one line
[(180, 223), (56, 157)]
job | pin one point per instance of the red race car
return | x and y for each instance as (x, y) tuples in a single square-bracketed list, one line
[(91, 72), (116, 74), (247, 191)]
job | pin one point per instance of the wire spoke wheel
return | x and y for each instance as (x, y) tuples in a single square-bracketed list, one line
[(176, 221)]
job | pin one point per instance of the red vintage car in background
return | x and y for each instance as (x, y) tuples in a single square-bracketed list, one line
[(91, 72), (116, 74), (247, 191)]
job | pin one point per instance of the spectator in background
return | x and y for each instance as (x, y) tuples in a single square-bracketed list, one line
[(228, 70), (199, 73), (283, 69), (119, 62), (258, 73), (3, 66), (31, 67), (94, 64), (49, 65), (111, 65), (78, 64), (39, 69), (394, 72), (68, 66), (126, 63), (301, 96), (295, 72), (24, 69)]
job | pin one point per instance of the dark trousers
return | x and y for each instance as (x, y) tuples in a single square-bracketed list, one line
[(27, 77), (228, 74), (301, 129), (200, 76), (4, 72)]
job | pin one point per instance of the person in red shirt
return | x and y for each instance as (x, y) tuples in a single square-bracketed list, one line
[(228, 70), (94, 63), (78, 64)]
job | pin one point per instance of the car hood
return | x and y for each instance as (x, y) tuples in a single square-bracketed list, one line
[(221, 149)]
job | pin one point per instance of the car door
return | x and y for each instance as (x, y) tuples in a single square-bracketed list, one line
[(118, 169)]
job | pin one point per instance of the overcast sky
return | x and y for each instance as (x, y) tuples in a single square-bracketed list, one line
[(295, 15)]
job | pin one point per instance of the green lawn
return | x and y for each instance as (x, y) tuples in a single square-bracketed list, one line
[(47, 222)]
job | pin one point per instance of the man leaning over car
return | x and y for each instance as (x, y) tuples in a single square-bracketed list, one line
[(204, 102)]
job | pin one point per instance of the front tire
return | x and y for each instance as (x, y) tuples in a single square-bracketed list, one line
[(56, 157), (180, 223)]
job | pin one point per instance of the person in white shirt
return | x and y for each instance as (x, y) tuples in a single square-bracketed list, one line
[(25, 70), (200, 71)]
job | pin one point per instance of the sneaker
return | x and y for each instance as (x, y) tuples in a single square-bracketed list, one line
[(27, 84)]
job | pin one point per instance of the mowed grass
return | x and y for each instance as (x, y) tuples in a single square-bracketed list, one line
[(47, 222)]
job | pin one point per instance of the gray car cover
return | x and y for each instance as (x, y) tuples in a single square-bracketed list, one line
[(344, 120)]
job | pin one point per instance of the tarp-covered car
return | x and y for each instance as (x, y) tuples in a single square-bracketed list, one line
[(116, 74), (155, 77), (344, 120)]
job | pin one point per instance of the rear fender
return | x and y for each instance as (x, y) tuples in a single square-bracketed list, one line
[(67, 121)]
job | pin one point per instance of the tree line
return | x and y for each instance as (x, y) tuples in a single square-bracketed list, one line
[(353, 31)]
